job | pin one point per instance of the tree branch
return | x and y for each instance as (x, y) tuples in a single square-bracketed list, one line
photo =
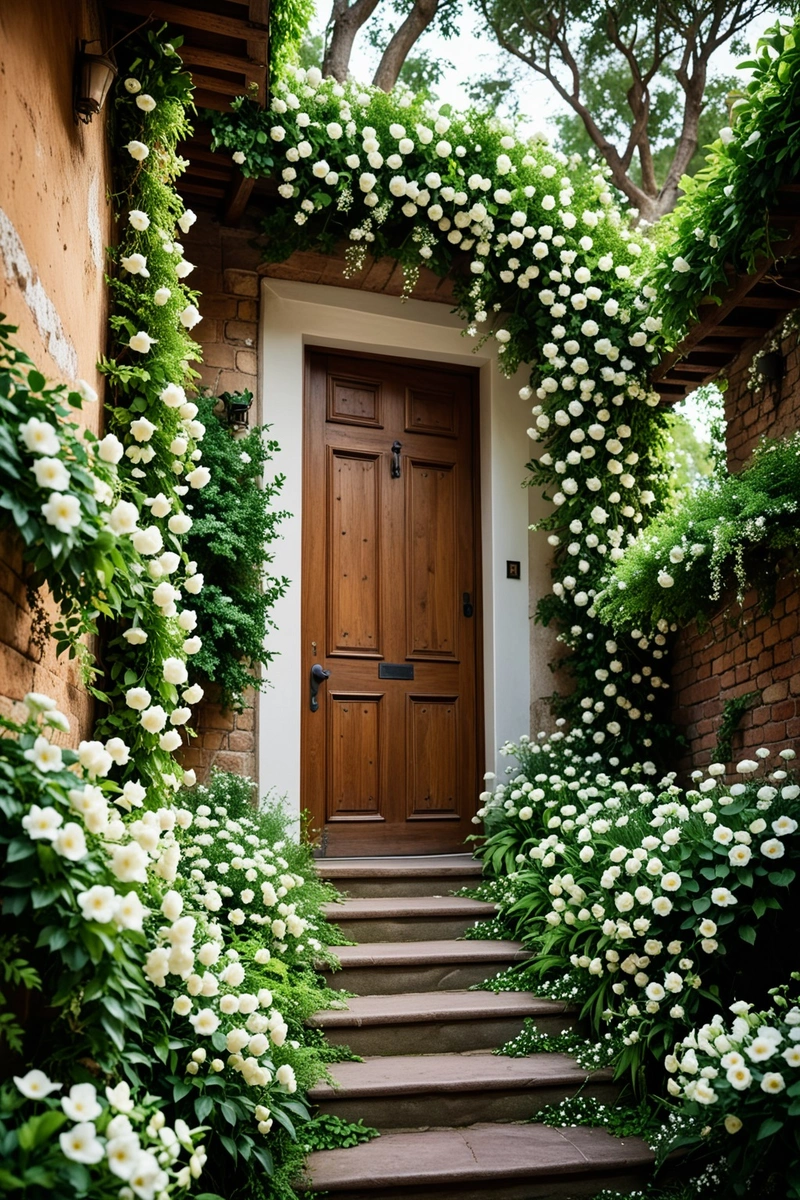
[(401, 43), (346, 20)]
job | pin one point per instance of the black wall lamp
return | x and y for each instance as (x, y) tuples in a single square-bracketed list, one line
[(237, 409), (93, 76)]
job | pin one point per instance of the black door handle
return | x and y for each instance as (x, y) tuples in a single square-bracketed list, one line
[(318, 676), (466, 602), (396, 448)]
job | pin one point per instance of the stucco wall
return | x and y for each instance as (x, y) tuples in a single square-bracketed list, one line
[(55, 222), (745, 649)]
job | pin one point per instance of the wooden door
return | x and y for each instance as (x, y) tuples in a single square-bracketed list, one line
[(391, 757)]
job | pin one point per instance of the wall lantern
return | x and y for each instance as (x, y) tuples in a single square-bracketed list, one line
[(237, 409), (94, 74), (771, 366)]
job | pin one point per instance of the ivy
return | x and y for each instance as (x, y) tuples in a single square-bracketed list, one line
[(234, 525)]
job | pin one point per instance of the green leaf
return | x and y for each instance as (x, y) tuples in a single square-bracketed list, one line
[(701, 904), (769, 1127), (782, 878), (228, 1112), (747, 934), (202, 1107), (40, 1129)]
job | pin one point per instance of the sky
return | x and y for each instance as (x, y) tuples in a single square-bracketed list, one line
[(472, 54)]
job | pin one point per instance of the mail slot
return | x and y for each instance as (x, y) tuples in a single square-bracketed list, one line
[(395, 670)]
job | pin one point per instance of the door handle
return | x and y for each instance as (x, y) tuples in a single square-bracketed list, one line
[(466, 602), (318, 676), (396, 448)]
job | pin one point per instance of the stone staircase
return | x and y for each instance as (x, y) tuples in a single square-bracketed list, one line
[(450, 1112)]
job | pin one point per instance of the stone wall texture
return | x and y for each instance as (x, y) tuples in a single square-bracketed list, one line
[(745, 649), (55, 223)]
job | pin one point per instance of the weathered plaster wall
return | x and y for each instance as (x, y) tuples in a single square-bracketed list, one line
[(55, 222), (745, 649)]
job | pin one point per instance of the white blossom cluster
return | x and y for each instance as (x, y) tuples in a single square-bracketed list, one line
[(653, 881), (144, 1161)]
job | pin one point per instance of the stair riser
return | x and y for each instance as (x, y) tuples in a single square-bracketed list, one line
[(558, 1187), (449, 1037), (404, 929), (457, 1109), (389, 981), (410, 886)]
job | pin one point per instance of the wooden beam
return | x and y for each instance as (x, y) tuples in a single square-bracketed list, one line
[(203, 56), (776, 302), (212, 83), (236, 200), (201, 189), (192, 18)]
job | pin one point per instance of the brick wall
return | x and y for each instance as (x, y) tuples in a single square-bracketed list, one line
[(745, 649), (55, 222), (226, 275)]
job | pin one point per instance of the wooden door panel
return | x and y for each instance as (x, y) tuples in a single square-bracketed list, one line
[(354, 752), (390, 762), (354, 401), (431, 412), (353, 505), (432, 560), (432, 734)]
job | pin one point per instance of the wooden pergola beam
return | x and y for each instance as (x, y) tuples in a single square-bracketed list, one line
[(184, 15)]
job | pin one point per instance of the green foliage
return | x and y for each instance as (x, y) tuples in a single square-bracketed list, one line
[(732, 712), (76, 556), (234, 524), (288, 27), (604, 93), (23, 977), (738, 528), (328, 1132), (621, 1120), (722, 224)]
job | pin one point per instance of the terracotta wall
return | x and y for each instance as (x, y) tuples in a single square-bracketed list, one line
[(55, 222), (745, 649), (226, 274)]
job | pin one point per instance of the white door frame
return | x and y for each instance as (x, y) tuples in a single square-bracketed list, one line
[(296, 315)]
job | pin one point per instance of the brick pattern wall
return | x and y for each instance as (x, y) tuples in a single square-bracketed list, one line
[(745, 649), (226, 275)]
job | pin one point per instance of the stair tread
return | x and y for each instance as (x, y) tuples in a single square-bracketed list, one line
[(422, 954), (403, 1074), (414, 1007), (435, 866), (479, 1152), (397, 907)]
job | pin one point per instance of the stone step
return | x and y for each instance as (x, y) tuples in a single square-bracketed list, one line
[(484, 1162), (385, 968), (407, 918), (445, 1021), (423, 875), (434, 1090)]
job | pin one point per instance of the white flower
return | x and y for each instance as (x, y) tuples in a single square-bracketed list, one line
[(187, 220), (42, 823), (179, 523), (80, 1144), (153, 719), (773, 1082), (62, 511), (70, 842), (137, 150), (97, 904), (205, 1021), (119, 1097), (199, 477), (161, 296), (51, 473), (747, 766), (192, 645), (238, 157), (722, 897), (148, 541), (137, 698), (39, 437), (44, 755), (773, 848), (141, 342), (130, 912), (139, 220), (183, 268), (739, 1077), (35, 1085), (189, 316), (129, 863), (81, 1103)]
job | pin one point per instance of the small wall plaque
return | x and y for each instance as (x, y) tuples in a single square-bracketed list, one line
[(513, 570)]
